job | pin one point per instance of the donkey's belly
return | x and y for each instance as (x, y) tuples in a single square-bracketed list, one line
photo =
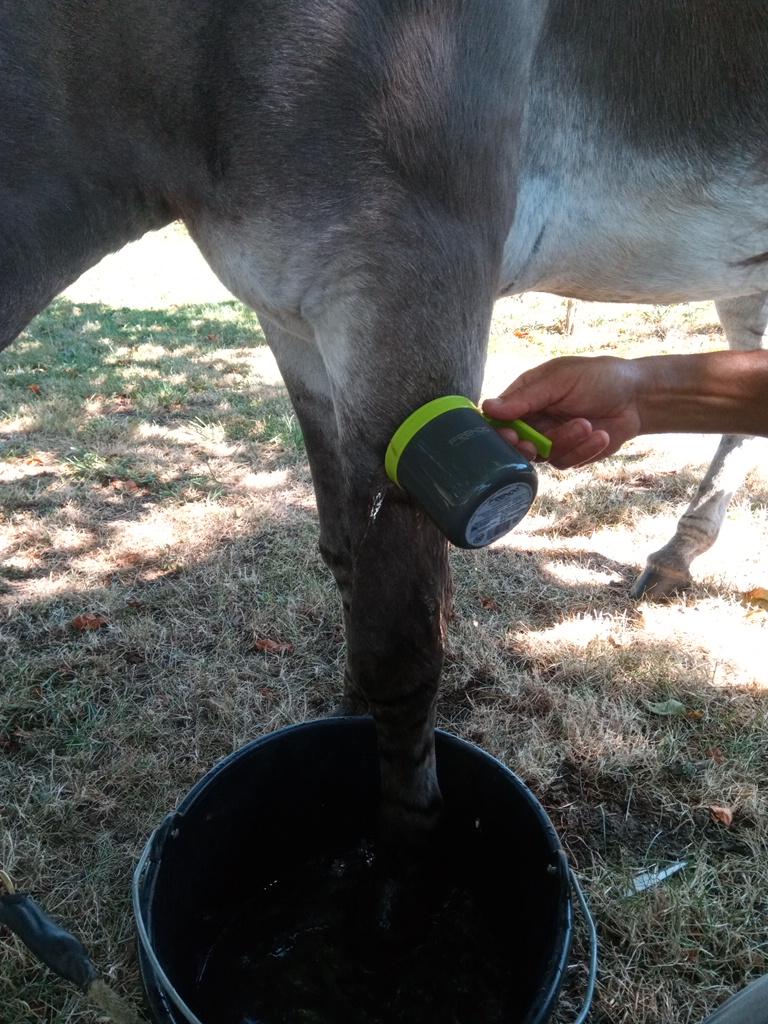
[(648, 236)]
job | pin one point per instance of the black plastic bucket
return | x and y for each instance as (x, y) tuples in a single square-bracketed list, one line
[(310, 792)]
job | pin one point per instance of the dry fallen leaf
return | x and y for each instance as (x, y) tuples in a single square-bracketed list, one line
[(41, 458), (128, 487), (89, 620), (120, 405), (722, 814), (490, 604), (131, 558), (716, 754), (758, 597), (268, 646), (644, 480), (620, 641)]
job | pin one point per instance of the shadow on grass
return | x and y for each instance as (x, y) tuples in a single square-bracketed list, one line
[(231, 322), (72, 352), (118, 415), (505, 590)]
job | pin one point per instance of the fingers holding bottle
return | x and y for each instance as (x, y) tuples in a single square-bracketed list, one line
[(587, 406)]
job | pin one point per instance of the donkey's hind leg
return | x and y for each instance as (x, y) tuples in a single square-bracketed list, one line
[(744, 321)]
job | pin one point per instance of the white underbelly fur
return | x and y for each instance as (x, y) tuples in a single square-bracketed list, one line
[(652, 238)]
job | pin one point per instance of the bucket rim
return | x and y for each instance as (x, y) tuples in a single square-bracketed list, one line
[(353, 723)]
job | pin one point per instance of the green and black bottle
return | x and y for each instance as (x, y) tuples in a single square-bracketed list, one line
[(471, 483)]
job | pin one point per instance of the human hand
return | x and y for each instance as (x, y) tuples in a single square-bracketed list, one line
[(589, 407)]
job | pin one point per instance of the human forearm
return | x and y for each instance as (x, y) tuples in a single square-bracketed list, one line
[(591, 406), (714, 392)]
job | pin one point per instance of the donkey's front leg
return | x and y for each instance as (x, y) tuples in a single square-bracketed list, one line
[(305, 375), (395, 650), (383, 366), (389, 561)]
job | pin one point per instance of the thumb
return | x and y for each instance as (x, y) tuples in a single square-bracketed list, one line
[(530, 393)]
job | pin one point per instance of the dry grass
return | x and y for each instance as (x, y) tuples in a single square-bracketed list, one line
[(152, 474)]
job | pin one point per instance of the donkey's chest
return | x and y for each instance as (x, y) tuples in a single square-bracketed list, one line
[(638, 233)]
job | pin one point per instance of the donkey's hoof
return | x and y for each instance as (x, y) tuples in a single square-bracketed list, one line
[(658, 584)]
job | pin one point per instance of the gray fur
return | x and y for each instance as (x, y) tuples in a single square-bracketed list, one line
[(369, 175)]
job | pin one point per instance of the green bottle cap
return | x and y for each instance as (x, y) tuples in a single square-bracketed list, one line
[(410, 427)]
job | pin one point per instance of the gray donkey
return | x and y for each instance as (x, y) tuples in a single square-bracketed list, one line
[(370, 175)]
